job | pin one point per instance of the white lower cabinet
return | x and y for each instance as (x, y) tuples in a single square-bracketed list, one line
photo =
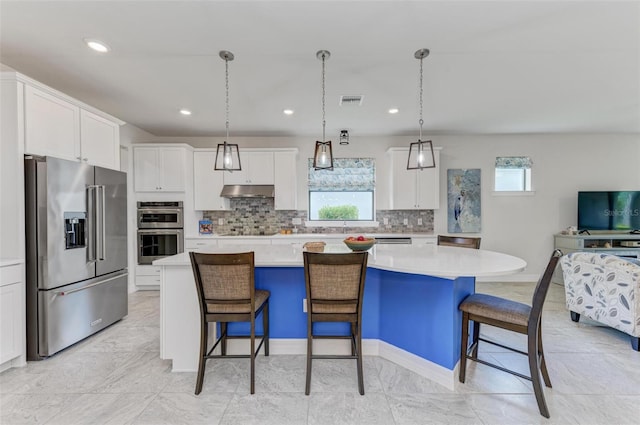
[(12, 312), (424, 241), (244, 241), (194, 244), (148, 277)]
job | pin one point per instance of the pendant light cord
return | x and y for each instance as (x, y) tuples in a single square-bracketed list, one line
[(226, 72), (324, 123), (421, 122)]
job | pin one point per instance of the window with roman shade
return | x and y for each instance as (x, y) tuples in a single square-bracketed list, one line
[(344, 193)]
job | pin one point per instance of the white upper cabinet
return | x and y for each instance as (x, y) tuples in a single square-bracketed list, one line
[(159, 169), (55, 126), (99, 140), (413, 189), (207, 183), (257, 168), (52, 125), (285, 180)]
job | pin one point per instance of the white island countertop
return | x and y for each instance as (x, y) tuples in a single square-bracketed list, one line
[(300, 236), (431, 260)]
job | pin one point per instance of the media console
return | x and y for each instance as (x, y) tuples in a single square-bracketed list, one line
[(620, 244)]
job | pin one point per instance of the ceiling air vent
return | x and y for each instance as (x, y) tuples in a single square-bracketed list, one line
[(351, 100)]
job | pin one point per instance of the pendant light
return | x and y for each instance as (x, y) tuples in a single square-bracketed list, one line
[(323, 156), (421, 152), (227, 154)]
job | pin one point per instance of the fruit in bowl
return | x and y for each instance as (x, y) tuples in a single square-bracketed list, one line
[(359, 243)]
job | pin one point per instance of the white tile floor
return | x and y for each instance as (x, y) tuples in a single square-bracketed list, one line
[(116, 377)]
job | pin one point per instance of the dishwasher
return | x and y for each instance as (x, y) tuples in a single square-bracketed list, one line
[(395, 240)]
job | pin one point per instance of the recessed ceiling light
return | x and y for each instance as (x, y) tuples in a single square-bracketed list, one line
[(287, 111), (97, 45), (185, 112), (394, 110)]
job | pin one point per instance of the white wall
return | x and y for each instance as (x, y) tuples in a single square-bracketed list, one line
[(519, 225)]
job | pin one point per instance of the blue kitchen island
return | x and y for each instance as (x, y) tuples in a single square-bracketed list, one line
[(410, 313)]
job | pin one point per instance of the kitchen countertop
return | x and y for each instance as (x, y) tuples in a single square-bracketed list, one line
[(316, 235), (431, 260)]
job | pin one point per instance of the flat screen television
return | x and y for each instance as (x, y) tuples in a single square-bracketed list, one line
[(609, 210)]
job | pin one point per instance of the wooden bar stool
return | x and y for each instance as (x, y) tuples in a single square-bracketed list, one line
[(512, 316), (226, 293), (335, 289)]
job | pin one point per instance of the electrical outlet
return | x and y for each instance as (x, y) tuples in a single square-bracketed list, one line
[(405, 221), (419, 222), (296, 221), (221, 222), (386, 221), (304, 305)]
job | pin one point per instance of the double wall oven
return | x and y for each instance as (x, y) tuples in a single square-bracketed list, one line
[(160, 230)]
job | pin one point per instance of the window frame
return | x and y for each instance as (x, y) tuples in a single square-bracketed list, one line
[(526, 166), (368, 188)]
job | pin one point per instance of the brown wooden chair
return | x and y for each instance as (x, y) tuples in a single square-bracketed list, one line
[(226, 293), (335, 289), (460, 241), (512, 316)]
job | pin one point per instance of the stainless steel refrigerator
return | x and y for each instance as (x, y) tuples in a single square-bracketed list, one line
[(76, 242)]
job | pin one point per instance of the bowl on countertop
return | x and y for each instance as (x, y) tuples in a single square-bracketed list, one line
[(356, 245)]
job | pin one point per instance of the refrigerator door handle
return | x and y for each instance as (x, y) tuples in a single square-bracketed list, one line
[(101, 229), (63, 293), (91, 233)]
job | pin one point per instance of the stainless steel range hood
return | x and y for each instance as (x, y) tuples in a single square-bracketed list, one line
[(248, 191)]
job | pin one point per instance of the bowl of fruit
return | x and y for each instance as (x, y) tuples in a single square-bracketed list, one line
[(359, 243)]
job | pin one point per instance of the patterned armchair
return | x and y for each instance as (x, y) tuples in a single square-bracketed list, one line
[(604, 288)]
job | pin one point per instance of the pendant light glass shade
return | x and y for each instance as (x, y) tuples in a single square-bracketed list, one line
[(421, 152), (227, 157), (323, 155), (421, 155), (227, 154)]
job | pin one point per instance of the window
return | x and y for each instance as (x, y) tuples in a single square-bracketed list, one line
[(344, 193), (513, 174)]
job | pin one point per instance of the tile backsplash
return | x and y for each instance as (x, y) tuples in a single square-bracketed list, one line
[(258, 217)]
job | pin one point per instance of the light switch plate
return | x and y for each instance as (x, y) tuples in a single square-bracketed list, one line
[(221, 222), (296, 220), (386, 220), (406, 221), (419, 222)]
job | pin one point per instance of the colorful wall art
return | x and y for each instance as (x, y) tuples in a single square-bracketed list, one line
[(463, 200)]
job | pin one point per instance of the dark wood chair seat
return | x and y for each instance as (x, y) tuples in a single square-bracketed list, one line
[(498, 309)]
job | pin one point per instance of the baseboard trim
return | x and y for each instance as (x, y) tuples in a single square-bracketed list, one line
[(522, 277), (370, 347)]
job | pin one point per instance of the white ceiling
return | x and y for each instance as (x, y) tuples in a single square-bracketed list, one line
[(495, 67)]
